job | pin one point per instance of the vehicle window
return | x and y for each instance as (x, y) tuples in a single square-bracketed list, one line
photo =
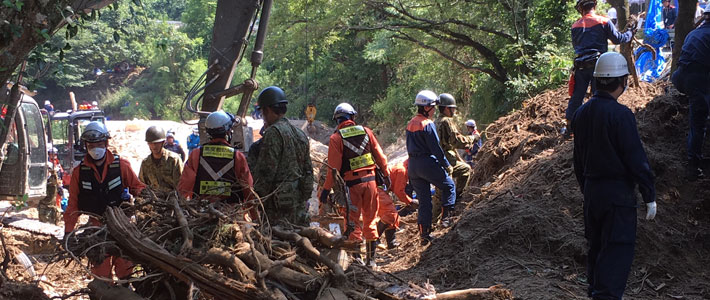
[(37, 145), (13, 149), (60, 138)]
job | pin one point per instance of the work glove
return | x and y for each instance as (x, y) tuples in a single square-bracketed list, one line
[(450, 170), (650, 210), (324, 196), (414, 204)]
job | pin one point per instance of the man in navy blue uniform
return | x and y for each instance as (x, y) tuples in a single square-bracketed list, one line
[(609, 161), (693, 79), (589, 38), (428, 164)]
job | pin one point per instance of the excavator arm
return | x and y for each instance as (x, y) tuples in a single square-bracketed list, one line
[(233, 25)]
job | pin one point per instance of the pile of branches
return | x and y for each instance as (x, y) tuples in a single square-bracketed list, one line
[(197, 249)]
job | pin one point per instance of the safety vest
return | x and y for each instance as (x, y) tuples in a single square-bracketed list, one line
[(95, 196), (356, 153), (215, 174)]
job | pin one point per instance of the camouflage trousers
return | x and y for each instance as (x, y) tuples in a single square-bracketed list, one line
[(462, 173), (287, 205), (47, 207)]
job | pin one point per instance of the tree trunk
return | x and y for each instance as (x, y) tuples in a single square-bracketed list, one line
[(683, 26), (622, 11), (24, 28)]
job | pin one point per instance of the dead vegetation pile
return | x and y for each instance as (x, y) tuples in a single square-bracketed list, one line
[(522, 224), (189, 249)]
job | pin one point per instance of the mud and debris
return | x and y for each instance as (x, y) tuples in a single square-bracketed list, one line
[(520, 223)]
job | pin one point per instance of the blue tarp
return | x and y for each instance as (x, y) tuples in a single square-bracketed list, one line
[(649, 69)]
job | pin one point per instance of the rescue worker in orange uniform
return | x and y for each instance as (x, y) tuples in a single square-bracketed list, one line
[(354, 150), (216, 170), (389, 216), (96, 183)]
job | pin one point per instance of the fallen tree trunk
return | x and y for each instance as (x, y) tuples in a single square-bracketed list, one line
[(313, 253), (491, 293), (277, 271), (186, 270)]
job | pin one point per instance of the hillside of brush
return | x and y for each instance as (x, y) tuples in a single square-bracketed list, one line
[(521, 221)]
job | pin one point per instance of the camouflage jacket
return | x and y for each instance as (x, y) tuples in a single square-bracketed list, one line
[(283, 162), (162, 174), (451, 139)]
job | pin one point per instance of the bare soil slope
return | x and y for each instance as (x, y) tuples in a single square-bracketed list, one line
[(521, 225)]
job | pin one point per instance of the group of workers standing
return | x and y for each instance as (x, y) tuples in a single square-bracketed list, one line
[(609, 159), (279, 170)]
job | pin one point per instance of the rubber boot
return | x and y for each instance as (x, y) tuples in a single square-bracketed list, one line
[(371, 249), (381, 228), (447, 214), (694, 171), (357, 256), (390, 237), (425, 234)]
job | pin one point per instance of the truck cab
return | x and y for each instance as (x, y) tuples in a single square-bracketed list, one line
[(66, 130), (24, 171)]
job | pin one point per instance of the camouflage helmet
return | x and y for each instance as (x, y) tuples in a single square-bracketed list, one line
[(446, 100), (155, 134), (270, 96)]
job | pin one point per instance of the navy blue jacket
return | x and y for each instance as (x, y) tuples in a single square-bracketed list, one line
[(696, 48), (589, 34), (607, 145), (669, 15), (422, 140)]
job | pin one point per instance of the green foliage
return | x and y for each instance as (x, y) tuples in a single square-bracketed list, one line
[(374, 54), (15, 4), (199, 20)]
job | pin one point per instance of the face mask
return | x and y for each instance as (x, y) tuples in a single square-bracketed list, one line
[(97, 153)]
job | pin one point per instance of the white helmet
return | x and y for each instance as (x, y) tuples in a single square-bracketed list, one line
[(343, 109), (46, 102), (219, 123), (471, 123), (95, 132), (426, 98), (196, 130), (611, 64)]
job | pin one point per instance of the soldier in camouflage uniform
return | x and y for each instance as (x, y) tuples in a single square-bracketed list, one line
[(162, 168), (451, 139), (283, 171)]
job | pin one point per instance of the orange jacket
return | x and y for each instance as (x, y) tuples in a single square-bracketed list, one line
[(399, 179), (335, 157), (189, 173), (128, 179)]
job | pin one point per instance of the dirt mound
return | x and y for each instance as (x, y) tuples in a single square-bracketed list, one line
[(523, 224)]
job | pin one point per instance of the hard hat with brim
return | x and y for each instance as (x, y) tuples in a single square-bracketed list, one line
[(611, 64), (343, 109), (426, 98), (95, 132)]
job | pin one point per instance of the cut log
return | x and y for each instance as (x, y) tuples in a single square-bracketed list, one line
[(313, 253), (321, 236), (492, 293), (227, 260), (289, 277), (140, 248), (332, 294), (106, 292)]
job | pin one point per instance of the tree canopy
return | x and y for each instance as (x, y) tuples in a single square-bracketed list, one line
[(375, 54)]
